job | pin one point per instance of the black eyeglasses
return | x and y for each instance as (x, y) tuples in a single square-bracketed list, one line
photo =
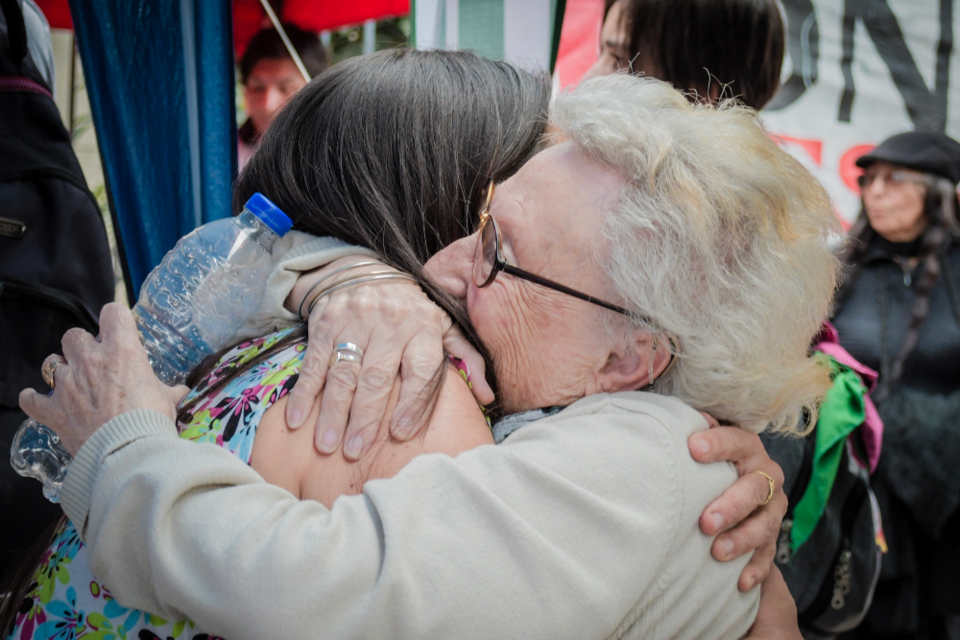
[(489, 261)]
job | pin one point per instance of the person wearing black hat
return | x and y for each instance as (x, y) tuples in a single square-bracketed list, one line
[(898, 311)]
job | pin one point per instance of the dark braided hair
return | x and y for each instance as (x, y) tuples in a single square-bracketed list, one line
[(939, 206)]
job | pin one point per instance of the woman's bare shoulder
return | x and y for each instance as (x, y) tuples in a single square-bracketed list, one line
[(288, 458)]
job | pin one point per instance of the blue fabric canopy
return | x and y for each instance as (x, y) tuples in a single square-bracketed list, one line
[(160, 77)]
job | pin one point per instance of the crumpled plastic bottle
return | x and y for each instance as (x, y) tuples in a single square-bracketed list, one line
[(191, 306)]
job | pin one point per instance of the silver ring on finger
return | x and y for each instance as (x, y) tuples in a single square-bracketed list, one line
[(349, 347), (340, 356)]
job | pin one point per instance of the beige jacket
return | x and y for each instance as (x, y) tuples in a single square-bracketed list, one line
[(581, 525), (293, 254)]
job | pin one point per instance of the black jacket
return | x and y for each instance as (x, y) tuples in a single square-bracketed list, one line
[(918, 480), (872, 319)]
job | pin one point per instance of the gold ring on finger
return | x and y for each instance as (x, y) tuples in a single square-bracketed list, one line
[(48, 373), (772, 486)]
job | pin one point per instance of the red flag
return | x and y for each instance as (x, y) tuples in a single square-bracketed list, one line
[(579, 39), (248, 16), (57, 13), (320, 15)]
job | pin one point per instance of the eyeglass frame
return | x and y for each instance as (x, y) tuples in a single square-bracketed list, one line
[(500, 263), (897, 176)]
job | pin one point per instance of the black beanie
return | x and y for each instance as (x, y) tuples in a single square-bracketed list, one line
[(926, 151)]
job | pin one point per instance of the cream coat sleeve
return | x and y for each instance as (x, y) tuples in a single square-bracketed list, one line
[(293, 254), (582, 525)]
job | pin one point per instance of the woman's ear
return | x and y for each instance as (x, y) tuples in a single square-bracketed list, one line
[(635, 364)]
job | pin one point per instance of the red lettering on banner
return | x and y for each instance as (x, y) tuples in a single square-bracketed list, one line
[(848, 169), (814, 148)]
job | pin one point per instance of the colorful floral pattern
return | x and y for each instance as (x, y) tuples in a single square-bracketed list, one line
[(65, 602)]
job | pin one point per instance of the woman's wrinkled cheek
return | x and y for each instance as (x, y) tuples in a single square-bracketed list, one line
[(502, 320), (508, 327)]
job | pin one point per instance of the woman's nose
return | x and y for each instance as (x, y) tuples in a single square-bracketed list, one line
[(274, 99), (877, 185), (452, 268)]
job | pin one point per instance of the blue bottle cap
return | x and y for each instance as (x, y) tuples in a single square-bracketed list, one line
[(269, 213)]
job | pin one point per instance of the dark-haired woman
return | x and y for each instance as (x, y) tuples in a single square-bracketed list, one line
[(705, 48), (364, 154), (899, 313)]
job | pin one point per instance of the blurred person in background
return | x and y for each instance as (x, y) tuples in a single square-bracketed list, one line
[(270, 77), (706, 49), (898, 311)]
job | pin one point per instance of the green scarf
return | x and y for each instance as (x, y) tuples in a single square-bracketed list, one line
[(841, 412)]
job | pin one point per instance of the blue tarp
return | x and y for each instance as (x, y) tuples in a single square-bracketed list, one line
[(160, 77)]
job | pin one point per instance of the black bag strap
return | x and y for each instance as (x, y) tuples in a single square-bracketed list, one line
[(852, 505), (16, 30), (800, 483), (15, 58)]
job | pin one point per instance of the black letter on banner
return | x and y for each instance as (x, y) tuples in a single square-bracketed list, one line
[(927, 110), (803, 47)]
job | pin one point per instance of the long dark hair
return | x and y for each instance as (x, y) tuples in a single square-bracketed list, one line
[(693, 43), (940, 207), (391, 152)]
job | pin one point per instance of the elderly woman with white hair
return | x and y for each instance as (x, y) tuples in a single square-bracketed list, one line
[(660, 259)]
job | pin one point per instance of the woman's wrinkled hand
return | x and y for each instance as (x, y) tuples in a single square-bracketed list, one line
[(402, 334), (97, 381), (740, 517)]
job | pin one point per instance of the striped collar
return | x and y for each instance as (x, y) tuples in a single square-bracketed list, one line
[(508, 424)]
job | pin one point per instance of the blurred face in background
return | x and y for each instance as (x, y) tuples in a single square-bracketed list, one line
[(893, 199), (271, 82), (613, 46)]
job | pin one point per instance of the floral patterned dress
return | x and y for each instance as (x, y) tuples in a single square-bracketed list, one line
[(65, 601)]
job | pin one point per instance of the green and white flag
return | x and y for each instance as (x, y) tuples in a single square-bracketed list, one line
[(524, 32)]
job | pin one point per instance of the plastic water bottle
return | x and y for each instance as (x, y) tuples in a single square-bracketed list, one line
[(36, 452), (191, 306), (207, 287)]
